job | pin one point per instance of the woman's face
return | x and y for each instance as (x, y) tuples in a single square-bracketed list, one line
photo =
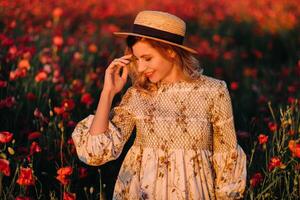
[(152, 64)]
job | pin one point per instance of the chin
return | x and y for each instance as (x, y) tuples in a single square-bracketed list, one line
[(152, 79)]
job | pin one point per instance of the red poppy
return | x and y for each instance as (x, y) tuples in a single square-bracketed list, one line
[(93, 48), (41, 76), (5, 136), (35, 148), (234, 85), (30, 96), (272, 126), (77, 85), (8, 102), (58, 41), (294, 148), (82, 172), (262, 139), (3, 84), (26, 177), (34, 135), (65, 171), (24, 64), (87, 99), (291, 100), (256, 179), (258, 54), (274, 162), (63, 179), (69, 196), (4, 167), (63, 174), (68, 104), (59, 110), (22, 198), (57, 12)]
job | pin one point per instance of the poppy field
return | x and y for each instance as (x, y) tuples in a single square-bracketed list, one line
[(53, 56)]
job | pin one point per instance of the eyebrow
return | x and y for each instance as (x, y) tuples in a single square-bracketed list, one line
[(145, 55)]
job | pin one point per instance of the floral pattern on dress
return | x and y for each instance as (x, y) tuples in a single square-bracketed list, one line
[(185, 145)]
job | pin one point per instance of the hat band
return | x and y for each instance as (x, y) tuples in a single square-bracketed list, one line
[(152, 32)]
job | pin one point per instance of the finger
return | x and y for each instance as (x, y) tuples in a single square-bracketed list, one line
[(116, 63), (127, 56), (114, 67), (124, 73), (126, 61)]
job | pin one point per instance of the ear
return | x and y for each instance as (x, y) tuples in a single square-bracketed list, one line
[(171, 53)]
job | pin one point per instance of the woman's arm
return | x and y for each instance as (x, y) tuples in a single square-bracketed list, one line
[(100, 121), (229, 159), (113, 83)]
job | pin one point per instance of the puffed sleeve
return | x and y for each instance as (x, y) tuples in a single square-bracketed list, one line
[(229, 159), (98, 149)]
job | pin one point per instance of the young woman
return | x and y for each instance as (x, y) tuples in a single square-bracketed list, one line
[(185, 145)]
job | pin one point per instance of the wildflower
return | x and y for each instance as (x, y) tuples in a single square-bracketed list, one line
[(71, 123), (22, 198), (8, 102), (63, 174), (58, 41), (228, 55), (24, 64), (77, 85), (234, 85), (57, 13), (30, 96), (216, 38), (258, 54), (41, 76), (82, 172), (3, 84), (87, 99), (93, 76), (272, 126), (262, 139), (26, 177), (93, 48), (69, 196), (34, 148), (275, 162), (5, 137), (250, 72), (4, 167), (68, 104), (59, 110), (294, 148), (34, 135), (256, 179)]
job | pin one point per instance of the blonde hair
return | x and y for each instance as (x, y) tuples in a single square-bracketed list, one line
[(187, 61)]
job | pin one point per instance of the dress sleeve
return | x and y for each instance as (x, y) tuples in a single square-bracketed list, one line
[(229, 159), (98, 149)]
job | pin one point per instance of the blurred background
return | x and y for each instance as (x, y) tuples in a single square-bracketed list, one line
[(53, 55)]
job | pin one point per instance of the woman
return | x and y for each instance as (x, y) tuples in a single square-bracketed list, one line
[(185, 145)]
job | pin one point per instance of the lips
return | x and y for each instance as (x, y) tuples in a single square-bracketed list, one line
[(148, 74)]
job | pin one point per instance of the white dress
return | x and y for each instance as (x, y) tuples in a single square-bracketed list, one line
[(185, 145)]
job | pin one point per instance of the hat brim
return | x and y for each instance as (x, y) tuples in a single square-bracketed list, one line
[(125, 34)]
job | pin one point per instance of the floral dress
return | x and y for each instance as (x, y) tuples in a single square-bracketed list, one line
[(185, 145)]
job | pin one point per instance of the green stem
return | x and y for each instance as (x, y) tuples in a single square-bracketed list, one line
[(1, 186)]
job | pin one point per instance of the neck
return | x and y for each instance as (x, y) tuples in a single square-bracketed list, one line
[(175, 76)]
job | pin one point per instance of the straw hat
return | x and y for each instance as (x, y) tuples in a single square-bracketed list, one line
[(159, 26)]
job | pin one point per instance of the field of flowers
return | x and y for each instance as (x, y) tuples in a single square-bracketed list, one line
[(53, 55)]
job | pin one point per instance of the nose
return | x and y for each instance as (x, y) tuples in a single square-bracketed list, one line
[(141, 67)]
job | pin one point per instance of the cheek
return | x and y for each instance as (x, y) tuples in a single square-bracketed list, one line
[(161, 65)]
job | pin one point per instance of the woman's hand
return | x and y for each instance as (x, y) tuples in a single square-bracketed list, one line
[(113, 81)]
